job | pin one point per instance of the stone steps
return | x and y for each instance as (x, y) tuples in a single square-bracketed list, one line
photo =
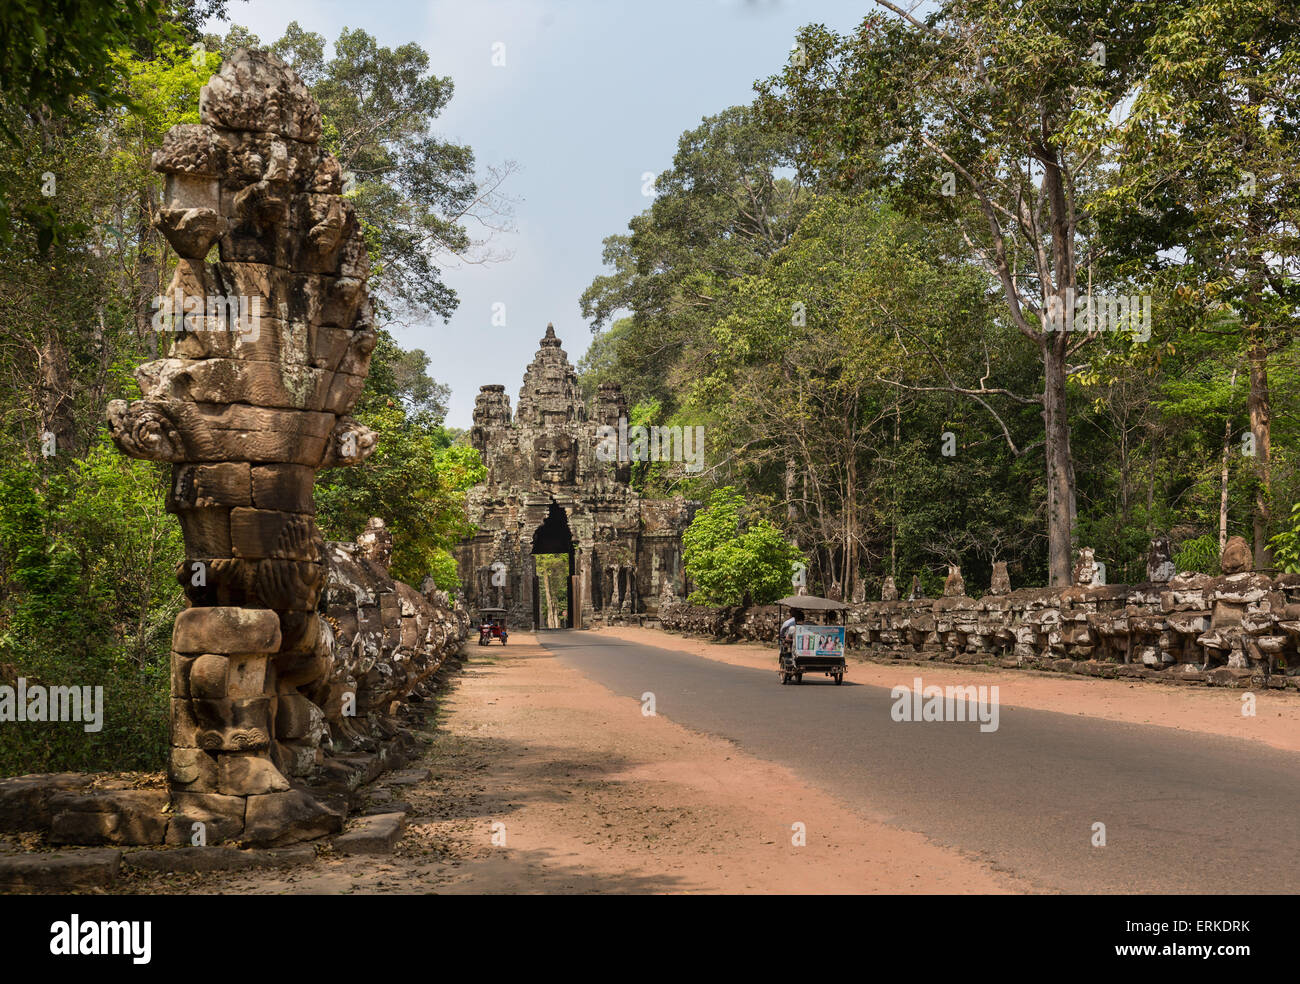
[(66, 870), (375, 834)]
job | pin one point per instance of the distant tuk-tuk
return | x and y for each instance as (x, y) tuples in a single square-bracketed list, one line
[(811, 648), (492, 625)]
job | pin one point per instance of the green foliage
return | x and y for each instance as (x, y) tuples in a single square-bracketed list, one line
[(398, 374), (60, 64), (164, 89), (731, 562), (443, 570), (88, 593), (1286, 544), (415, 480), (1120, 171), (1199, 554), (809, 379), (54, 54), (1205, 191)]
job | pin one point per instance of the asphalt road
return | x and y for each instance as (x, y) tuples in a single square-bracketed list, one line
[(1183, 812)]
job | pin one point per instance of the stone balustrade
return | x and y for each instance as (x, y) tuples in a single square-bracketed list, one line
[(1238, 629)]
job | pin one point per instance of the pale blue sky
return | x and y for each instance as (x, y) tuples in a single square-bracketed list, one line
[(592, 96)]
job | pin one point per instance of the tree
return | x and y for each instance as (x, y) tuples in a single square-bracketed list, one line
[(809, 385), (53, 56), (64, 61), (730, 564), (718, 212), (413, 191), (553, 573), (88, 593), (1286, 544), (402, 374), (988, 116), (1207, 167), (416, 477)]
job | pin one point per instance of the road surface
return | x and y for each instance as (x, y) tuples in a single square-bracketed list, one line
[(1183, 812)]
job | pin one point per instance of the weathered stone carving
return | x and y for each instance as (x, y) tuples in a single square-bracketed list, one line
[(389, 639), (954, 586), (1160, 560), (1236, 557), (666, 594), (889, 590), (1001, 581), (554, 459), (1086, 571), (272, 346), (552, 487)]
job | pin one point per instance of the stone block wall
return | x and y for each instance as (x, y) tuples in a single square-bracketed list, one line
[(1233, 630)]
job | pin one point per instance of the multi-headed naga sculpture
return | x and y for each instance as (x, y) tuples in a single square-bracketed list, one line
[(271, 337)]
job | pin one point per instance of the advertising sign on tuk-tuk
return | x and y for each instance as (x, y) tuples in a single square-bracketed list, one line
[(819, 640)]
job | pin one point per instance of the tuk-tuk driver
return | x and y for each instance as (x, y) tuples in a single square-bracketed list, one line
[(787, 627)]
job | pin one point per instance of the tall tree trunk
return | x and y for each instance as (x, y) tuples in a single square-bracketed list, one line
[(849, 568), (1254, 320), (791, 509), (56, 392), (1062, 507), (1260, 417), (1223, 476), (148, 270), (893, 496), (552, 618), (1060, 469)]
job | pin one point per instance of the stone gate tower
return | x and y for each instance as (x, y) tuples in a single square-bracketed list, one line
[(547, 491)]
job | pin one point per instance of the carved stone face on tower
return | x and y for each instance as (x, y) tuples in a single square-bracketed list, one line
[(554, 459)]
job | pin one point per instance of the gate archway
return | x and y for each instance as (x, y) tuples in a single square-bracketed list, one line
[(553, 537)]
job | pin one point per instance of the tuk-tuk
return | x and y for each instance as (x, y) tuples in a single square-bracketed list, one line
[(811, 648), (492, 625)]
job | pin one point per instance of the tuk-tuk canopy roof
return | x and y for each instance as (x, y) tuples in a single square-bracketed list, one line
[(811, 603), (490, 611)]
